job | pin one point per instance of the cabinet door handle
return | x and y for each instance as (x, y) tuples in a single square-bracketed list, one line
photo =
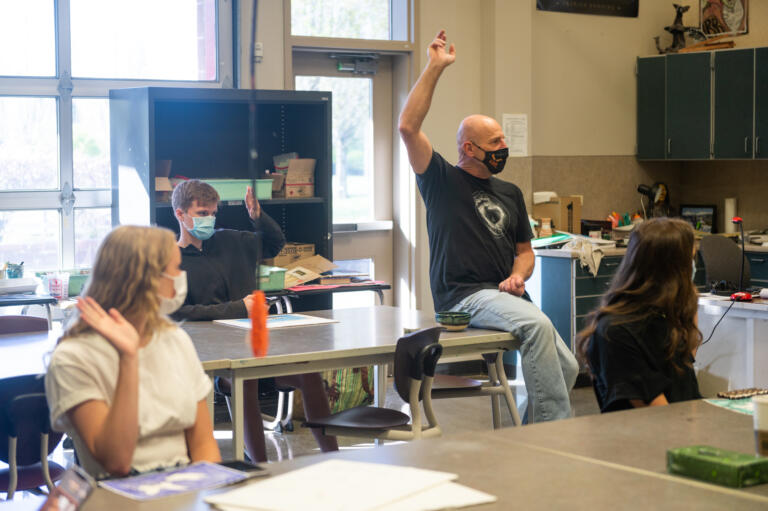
[(746, 141), (755, 260), (757, 145), (669, 146), (611, 264)]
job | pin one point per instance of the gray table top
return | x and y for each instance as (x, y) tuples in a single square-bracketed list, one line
[(598, 462), (359, 331)]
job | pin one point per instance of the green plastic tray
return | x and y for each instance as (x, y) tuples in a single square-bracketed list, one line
[(234, 189)]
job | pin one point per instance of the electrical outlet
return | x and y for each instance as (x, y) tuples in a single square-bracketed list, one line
[(258, 52)]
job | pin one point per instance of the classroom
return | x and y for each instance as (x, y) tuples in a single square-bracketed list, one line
[(383, 254)]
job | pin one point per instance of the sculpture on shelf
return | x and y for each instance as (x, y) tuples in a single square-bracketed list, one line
[(678, 31)]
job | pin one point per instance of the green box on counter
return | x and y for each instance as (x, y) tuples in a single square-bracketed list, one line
[(234, 189), (272, 278), (727, 468)]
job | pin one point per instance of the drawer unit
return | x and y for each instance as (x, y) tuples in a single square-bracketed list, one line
[(758, 268)]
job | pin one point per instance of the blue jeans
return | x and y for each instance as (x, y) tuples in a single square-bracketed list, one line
[(549, 367)]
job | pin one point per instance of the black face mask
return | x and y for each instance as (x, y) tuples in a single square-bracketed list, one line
[(494, 160)]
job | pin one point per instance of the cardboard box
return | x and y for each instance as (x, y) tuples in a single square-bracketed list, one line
[(278, 185), (300, 178), (565, 213), (307, 269), (291, 253)]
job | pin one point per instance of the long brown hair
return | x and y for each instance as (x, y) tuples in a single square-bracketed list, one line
[(127, 273), (654, 277)]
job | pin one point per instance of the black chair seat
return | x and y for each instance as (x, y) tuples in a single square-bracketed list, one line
[(362, 417), (451, 382), (29, 475)]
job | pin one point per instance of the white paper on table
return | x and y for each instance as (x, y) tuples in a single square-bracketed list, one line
[(336, 485), (278, 321), (515, 128), (444, 496)]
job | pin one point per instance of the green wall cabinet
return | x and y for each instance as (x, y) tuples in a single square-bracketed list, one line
[(761, 103), (651, 130), (700, 106), (734, 105), (688, 106), (673, 107)]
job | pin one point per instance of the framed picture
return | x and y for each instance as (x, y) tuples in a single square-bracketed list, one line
[(723, 17), (702, 218)]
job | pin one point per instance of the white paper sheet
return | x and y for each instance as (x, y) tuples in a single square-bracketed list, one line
[(444, 496), (278, 321), (515, 128), (335, 485)]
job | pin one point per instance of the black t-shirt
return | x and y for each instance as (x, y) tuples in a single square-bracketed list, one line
[(474, 225), (628, 361), (224, 272)]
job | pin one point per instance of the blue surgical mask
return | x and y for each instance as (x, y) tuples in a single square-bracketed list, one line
[(693, 274), (202, 227)]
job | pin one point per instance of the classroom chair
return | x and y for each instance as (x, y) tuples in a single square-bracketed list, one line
[(26, 438), (416, 356), (22, 324), (447, 386), (722, 262)]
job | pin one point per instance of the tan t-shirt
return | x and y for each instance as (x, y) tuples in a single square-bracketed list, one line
[(171, 383)]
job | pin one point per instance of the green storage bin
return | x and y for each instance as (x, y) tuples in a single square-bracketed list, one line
[(234, 189), (728, 468), (272, 278), (76, 283)]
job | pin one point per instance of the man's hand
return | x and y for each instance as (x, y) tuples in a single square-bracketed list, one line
[(514, 284), (248, 301), (252, 205), (437, 53)]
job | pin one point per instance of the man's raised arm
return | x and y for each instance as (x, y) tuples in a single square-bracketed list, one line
[(419, 100)]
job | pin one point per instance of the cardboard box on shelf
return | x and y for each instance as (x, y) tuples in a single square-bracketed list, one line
[(565, 213), (278, 185), (306, 270), (300, 178), (291, 253)]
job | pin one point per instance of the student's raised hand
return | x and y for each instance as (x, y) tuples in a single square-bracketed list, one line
[(112, 325), (252, 205), (437, 52), (514, 284), (248, 301)]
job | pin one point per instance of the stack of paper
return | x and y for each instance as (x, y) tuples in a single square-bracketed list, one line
[(349, 485)]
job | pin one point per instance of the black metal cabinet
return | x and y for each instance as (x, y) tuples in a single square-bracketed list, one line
[(205, 133), (688, 106), (734, 106)]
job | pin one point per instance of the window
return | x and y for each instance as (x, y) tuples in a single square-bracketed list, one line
[(352, 144), (358, 19), (55, 78)]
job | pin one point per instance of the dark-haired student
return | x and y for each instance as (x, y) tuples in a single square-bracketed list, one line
[(640, 343)]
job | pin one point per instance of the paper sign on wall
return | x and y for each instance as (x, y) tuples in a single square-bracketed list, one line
[(515, 128)]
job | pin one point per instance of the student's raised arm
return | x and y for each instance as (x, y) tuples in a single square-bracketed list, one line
[(420, 99)]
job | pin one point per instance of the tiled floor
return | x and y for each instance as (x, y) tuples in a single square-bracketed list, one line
[(454, 415)]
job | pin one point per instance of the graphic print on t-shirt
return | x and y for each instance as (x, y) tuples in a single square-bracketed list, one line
[(492, 212)]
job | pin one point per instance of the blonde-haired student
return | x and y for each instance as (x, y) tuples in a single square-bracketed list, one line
[(124, 381)]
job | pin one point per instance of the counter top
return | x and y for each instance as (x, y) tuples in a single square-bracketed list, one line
[(573, 254)]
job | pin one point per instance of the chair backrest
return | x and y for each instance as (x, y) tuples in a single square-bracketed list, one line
[(416, 354), (24, 412), (722, 260), (22, 324)]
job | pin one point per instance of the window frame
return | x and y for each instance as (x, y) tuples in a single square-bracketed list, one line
[(64, 88)]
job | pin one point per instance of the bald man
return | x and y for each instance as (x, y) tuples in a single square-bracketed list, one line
[(480, 240)]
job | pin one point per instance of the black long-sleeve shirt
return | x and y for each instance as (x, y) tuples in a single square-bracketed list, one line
[(224, 272)]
